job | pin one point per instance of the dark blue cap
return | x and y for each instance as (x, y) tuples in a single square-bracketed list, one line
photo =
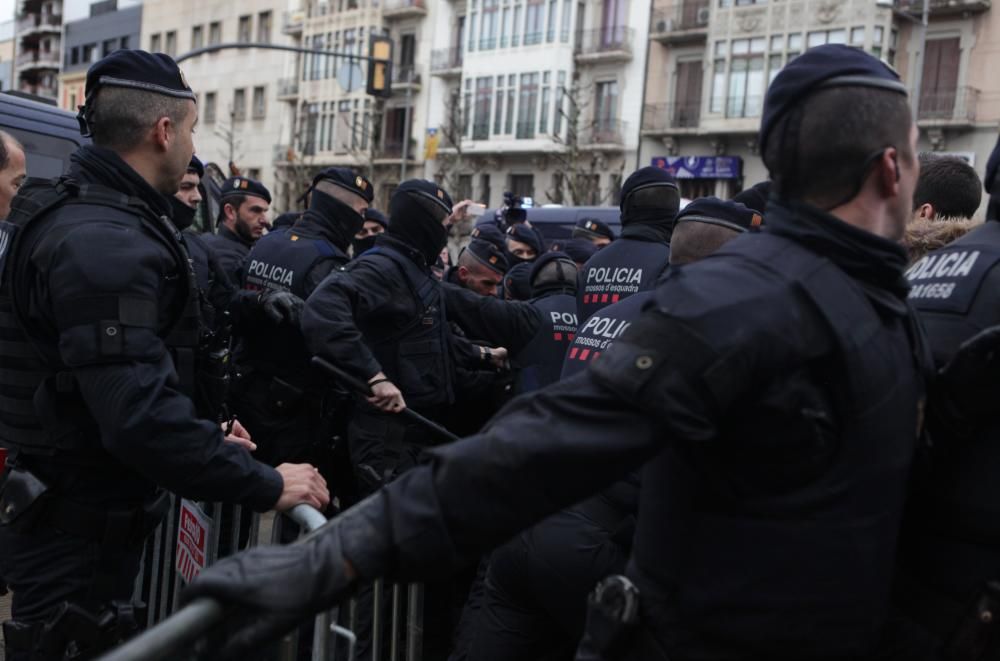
[(517, 282), (425, 191), (579, 250), (488, 254), (593, 228), (244, 186), (755, 197), (137, 69), (724, 213), (823, 67), (196, 167), (347, 179), (525, 234), (285, 220), (376, 216), (487, 230)]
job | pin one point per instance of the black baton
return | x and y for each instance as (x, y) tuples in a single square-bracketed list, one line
[(364, 389)]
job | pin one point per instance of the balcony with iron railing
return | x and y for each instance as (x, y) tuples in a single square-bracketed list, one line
[(608, 44), (37, 59), (288, 88), (392, 150), (292, 22), (447, 61), (604, 133), (668, 118), (941, 7), (29, 23), (405, 76), (948, 108), (397, 9), (683, 22)]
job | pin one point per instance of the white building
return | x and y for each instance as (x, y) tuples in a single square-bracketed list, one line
[(241, 118), (522, 87)]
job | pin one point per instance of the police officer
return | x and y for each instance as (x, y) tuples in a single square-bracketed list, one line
[(595, 231), (95, 410), (523, 243), (281, 398), (950, 552), (375, 224), (553, 290), (701, 228), (579, 250), (242, 220), (480, 268), (12, 170), (516, 282), (633, 263), (487, 230)]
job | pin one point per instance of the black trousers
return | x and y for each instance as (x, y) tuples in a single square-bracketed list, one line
[(46, 567), (536, 587)]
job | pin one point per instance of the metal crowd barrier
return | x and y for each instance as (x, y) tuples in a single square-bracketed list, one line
[(174, 633)]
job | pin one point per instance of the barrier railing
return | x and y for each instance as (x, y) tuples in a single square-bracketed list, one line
[(190, 538)]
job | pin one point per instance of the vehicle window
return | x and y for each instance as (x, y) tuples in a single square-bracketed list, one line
[(47, 156)]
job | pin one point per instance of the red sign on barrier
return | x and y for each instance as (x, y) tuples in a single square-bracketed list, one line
[(192, 541), (3, 459)]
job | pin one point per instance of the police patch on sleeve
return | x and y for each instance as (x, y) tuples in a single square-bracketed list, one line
[(948, 280)]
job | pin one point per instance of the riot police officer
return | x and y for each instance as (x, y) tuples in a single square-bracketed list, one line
[(280, 397), (950, 551), (480, 268), (242, 220), (375, 224), (595, 231), (523, 244), (97, 294), (633, 263), (553, 290)]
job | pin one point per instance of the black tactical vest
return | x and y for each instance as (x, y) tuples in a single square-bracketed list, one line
[(596, 334), (777, 538), (953, 531), (415, 356), (541, 360), (41, 411), (282, 260), (615, 272)]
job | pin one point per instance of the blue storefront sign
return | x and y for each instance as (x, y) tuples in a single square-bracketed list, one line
[(701, 167)]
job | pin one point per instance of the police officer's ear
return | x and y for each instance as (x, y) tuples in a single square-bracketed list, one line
[(925, 211)]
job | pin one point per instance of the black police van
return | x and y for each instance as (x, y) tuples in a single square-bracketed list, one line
[(50, 135)]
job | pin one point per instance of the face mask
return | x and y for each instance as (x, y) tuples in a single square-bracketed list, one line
[(363, 245), (181, 214)]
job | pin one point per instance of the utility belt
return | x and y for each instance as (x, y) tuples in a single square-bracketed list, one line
[(74, 633), (27, 503)]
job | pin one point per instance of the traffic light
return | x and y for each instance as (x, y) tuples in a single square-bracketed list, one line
[(380, 66)]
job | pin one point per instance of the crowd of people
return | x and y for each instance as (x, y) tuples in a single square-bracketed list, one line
[(758, 428)]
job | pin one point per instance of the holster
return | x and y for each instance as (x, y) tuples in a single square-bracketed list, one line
[(22, 497), (977, 627), (73, 633)]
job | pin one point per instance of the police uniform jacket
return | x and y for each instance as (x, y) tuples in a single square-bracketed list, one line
[(625, 267), (597, 333), (231, 250), (541, 360), (100, 288), (778, 418)]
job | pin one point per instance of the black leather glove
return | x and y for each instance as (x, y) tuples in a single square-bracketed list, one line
[(967, 389), (281, 306), (269, 590)]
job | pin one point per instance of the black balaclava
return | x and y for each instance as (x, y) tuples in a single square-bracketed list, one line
[(650, 200), (417, 209), (181, 214), (340, 220), (364, 245)]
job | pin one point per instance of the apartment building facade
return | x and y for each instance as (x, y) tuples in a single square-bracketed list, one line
[(240, 116), (538, 97), (711, 61), (7, 50), (334, 121), (87, 40), (38, 51)]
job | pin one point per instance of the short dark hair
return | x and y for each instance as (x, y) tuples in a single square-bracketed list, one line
[(120, 118), (817, 150), (949, 184), (235, 200)]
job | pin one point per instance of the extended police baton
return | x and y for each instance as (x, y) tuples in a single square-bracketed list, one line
[(364, 389)]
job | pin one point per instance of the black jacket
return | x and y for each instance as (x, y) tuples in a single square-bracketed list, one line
[(231, 251)]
